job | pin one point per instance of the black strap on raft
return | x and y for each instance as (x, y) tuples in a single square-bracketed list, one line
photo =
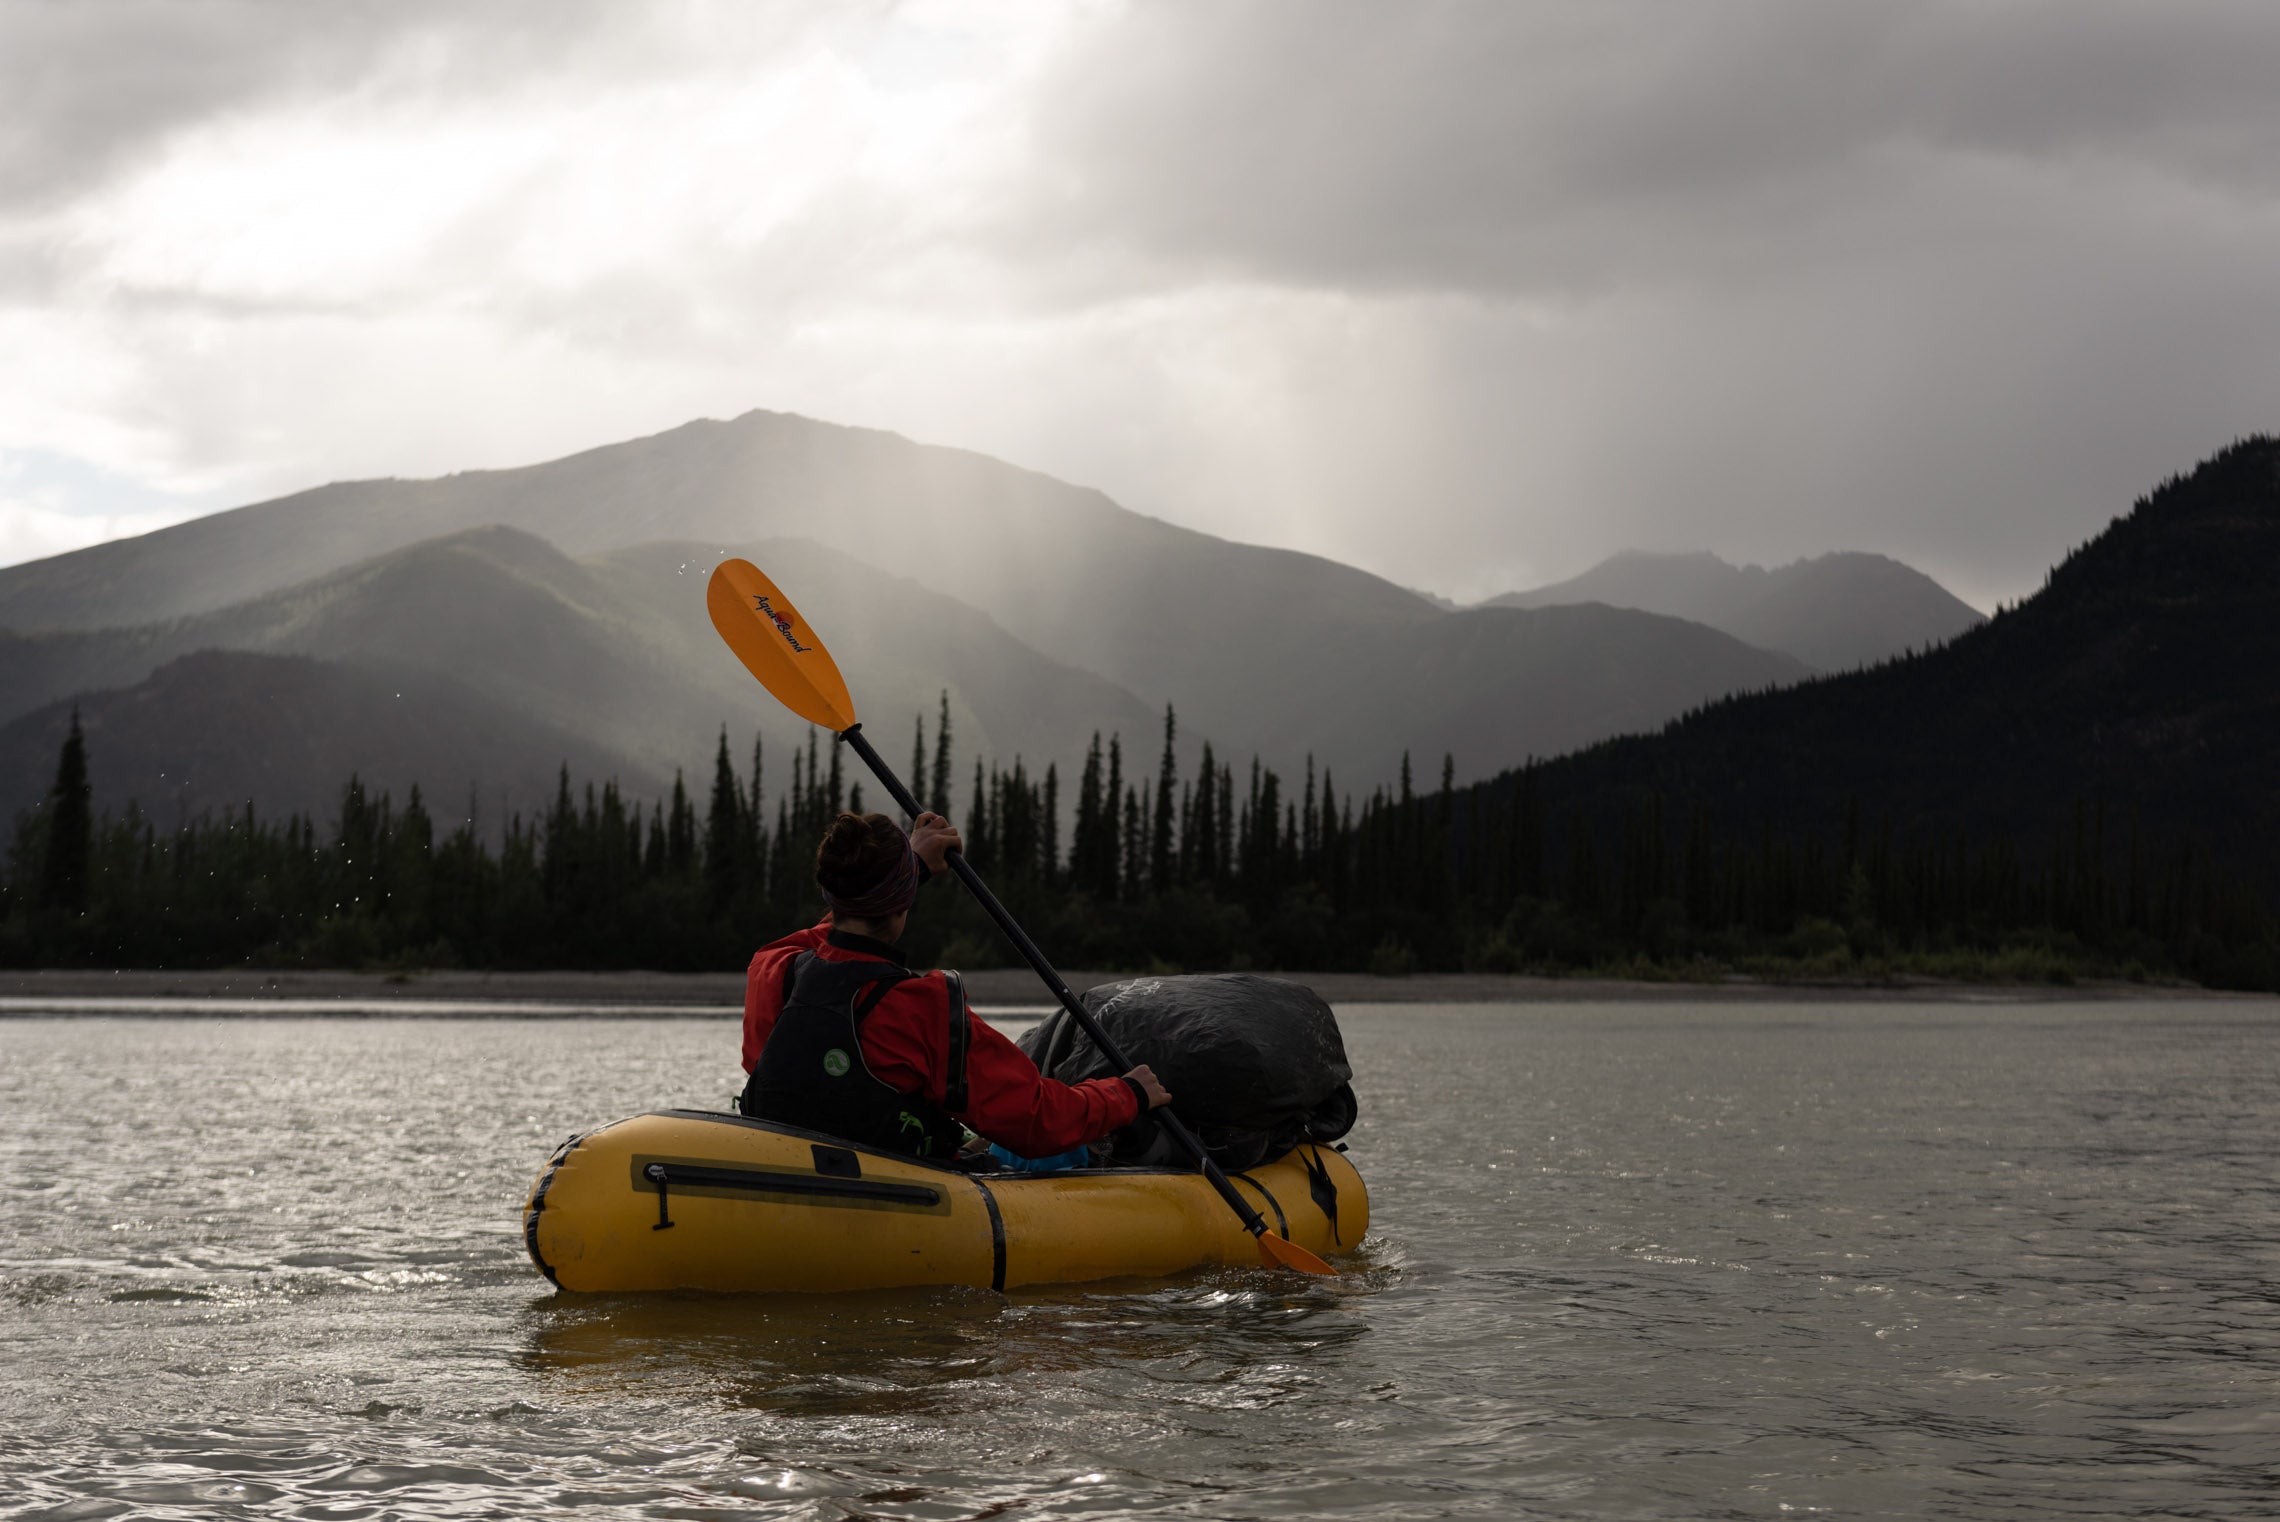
[(1323, 1188), (961, 1037), (657, 1175)]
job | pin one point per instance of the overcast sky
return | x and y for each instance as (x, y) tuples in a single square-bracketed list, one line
[(1470, 295)]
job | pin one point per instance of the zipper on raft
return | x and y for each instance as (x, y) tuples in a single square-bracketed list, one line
[(768, 1181)]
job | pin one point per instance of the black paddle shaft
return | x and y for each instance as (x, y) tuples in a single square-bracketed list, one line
[(1252, 1221)]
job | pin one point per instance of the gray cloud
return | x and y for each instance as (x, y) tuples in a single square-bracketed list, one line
[(1952, 281), (93, 86), (1471, 294), (90, 86), (1510, 149)]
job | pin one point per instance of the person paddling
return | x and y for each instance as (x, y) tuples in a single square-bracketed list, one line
[(840, 1037)]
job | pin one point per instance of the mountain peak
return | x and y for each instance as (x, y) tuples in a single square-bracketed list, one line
[(1833, 611)]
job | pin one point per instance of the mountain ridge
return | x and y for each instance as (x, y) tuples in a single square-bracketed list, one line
[(2137, 680), (613, 646), (1258, 648), (210, 731), (1834, 612)]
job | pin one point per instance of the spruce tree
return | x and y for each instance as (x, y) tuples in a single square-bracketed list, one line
[(1161, 846), (817, 815), (1226, 851), (917, 753), (752, 843), (977, 827), (70, 826), (1266, 839), (1303, 837), (753, 808), (1135, 843), (1084, 842), (681, 831), (1200, 854), (938, 790), (723, 827), (1111, 836)]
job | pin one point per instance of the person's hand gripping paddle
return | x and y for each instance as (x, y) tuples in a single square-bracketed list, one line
[(782, 650)]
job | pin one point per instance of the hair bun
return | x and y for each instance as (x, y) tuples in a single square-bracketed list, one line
[(857, 852)]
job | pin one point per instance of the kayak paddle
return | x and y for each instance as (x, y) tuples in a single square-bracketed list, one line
[(780, 648)]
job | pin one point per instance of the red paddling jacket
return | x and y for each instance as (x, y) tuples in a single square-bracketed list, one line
[(906, 1037)]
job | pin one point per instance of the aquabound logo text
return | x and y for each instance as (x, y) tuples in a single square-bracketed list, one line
[(782, 621)]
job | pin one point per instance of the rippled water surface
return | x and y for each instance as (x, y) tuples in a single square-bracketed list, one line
[(1628, 1261)]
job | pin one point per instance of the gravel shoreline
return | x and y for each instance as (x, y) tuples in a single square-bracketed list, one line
[(481, 994)]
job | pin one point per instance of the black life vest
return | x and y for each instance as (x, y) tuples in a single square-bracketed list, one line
[(811, 1072)]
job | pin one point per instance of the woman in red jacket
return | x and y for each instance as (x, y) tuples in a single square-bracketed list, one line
[(840, 1037)]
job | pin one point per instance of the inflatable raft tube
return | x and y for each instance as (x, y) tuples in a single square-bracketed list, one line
[(695, 1200)]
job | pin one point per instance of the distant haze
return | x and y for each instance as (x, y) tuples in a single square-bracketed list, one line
[(563, 600), (1470, 296), (1833, 612)]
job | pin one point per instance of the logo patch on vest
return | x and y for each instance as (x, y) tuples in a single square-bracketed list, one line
[(835, 1063)]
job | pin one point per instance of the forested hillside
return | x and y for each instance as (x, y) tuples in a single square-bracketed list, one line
[(2081, 787), (2138, 681)]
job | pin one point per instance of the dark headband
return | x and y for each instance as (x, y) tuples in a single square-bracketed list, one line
[(889, 896)]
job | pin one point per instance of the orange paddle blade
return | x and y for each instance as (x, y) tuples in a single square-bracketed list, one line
[(777, 646), (1281, 1252)]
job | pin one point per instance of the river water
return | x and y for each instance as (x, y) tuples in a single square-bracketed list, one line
[(1628, 1261)]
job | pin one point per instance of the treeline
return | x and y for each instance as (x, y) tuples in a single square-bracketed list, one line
[(1173, 868)]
